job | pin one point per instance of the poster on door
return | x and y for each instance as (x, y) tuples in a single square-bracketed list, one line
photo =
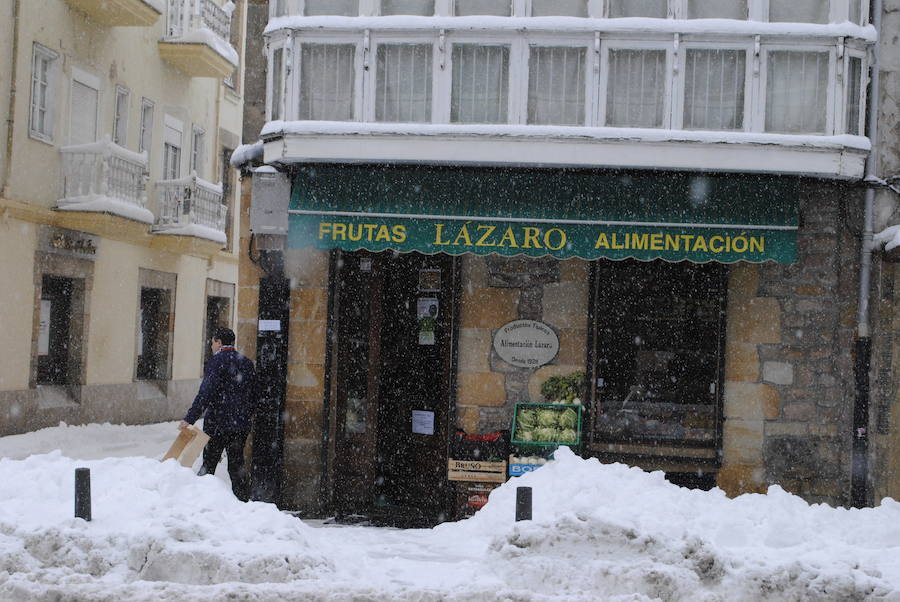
[(427, 312), (44, 328)]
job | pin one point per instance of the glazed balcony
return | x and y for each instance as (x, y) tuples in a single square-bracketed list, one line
[(103, 177), (197, 38), (120, 13), (190, 206)]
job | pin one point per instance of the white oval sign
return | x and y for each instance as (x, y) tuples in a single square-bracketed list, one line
[(526, 343)]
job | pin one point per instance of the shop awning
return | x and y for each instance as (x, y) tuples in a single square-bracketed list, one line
[(561, 213)]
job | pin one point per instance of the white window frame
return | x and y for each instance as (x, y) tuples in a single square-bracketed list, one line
[(591, 65), (622, 44), (273, 78), (361, 59), (838, 10), (198, 154), (759, 114), (176, 124), (530, 11), (370, 75), (863, 89), (92, 81), (146, 129), (514, 108), (120, 122), (679, 83), (516, 8), (41, 52)]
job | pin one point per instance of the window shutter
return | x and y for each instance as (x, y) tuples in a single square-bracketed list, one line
[(83, 126)]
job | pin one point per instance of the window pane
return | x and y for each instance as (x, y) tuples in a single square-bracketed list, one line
[(796, 91), (854, 84), (84, 113), (403, 83), (483, 7), (714, 89), (635, 92), (798, 11), (119, 122), (480, 84), (717, 9), (146, 127), (856, 11), (327, 79), (40, 85), (277, 83), (638, 8), (556, 86), (347, 8), (424, 8), (565, 8)]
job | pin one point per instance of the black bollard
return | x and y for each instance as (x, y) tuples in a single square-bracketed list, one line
[(523, 503), (83, 493)]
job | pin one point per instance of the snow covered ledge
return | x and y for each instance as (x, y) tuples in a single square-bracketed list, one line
[(191, 206), (841, 157)]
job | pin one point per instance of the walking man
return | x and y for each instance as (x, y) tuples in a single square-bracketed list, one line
[(227, 400)]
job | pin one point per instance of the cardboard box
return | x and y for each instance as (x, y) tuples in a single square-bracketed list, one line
[(187, 446), (476, 470)]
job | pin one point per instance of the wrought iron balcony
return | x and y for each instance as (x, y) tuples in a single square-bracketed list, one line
[(103, 177), (190, 206), (121, 13), (197, 38)]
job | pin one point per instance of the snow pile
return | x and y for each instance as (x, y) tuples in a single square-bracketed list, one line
[(620, 530), (152, 521), (600, 532)]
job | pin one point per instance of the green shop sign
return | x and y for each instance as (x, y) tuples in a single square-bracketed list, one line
[(561, 213)]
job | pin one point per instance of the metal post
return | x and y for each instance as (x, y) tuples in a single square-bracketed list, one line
[(83, 493), (523, 503)]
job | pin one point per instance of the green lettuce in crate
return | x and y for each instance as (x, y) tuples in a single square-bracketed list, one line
[(568, 436), (568, 419), (547, 418), (523, 434), (546, 434), (527, 419)]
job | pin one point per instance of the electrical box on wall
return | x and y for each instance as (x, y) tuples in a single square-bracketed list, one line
[(271, 192)]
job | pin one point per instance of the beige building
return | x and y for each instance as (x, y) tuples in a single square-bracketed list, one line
[(117, 253)]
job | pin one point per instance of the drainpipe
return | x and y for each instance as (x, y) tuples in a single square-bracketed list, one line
[(859, 469), (11, 117)]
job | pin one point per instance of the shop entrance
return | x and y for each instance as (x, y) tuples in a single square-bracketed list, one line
[(393, 391)]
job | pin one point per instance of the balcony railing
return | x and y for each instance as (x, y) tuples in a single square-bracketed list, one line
[(104, 177), (197, 38), (188, 16), (190, 206)]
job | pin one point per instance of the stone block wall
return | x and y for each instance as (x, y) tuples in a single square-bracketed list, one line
[(789, 384), (497, 290)]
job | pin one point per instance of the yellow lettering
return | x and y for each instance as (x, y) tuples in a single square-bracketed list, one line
[(715, 244), (740, 244), (359, 231), (399, 233), (656, 242), (438, 230), (531, 235), (382, 233), (616, 245), (463, 235), (639, 241), (672, 242), (370, 230), (757, 244), (547, 239), (509, 236), (324, 228), (339, 230), (488, 231), (700, 244), (601, 241)]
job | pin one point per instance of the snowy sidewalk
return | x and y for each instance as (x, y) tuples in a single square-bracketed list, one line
[(600, 532)]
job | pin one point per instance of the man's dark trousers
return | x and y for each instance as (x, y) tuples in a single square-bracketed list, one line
[(233, 445)]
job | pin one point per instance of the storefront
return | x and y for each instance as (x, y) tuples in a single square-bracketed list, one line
[(626, 272)]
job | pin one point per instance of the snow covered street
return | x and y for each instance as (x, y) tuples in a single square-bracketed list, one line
[(600, 532)]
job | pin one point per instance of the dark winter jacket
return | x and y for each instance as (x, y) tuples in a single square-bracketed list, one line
[(227, 394)]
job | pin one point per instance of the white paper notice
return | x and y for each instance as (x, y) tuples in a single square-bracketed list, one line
[(44, 332), (269, 325), (423, 422)]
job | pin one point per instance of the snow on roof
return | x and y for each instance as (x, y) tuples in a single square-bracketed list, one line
[(578, 24), (246, 153), (275, 128)]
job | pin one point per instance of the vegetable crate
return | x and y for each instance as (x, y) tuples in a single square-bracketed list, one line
[(547, 424)]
